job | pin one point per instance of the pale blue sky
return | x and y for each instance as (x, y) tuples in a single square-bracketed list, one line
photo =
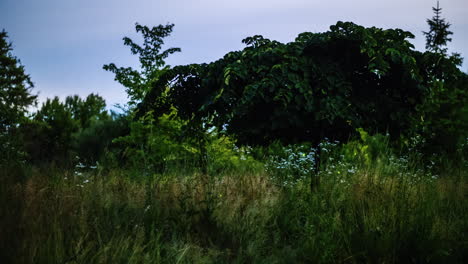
[(64, 43)]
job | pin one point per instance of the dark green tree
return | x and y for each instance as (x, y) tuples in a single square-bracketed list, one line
[(60, 131), (322, 84), (438, 35), (443, 118), (15, 86), (52, 127), (138, 82), (88, 110), (15, 98), (95, 142)]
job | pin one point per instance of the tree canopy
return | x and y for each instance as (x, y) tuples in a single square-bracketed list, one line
[(326, 83)]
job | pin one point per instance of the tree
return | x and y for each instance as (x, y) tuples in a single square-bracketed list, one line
[(15, 86), (320, 84), (95, 143), (443, 117), (152, 62), (149, 136), (438, 34), (87, 110), (15, 98), (48, 138), (60, 131)]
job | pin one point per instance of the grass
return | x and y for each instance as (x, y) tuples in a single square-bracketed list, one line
[(377, 213)]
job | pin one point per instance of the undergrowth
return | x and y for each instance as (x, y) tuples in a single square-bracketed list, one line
[(370, 206)]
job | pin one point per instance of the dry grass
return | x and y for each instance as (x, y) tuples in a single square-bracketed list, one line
[(54, 217)]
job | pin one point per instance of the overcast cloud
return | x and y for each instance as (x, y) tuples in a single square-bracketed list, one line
[(64, 43)]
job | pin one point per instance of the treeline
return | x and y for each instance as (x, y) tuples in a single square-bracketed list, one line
[(72, 131), (322, 85)]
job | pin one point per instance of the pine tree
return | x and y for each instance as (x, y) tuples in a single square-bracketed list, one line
[(438, 35), (15, 86), (15, 98)]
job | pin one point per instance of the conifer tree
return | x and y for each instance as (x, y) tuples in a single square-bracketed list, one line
[(15, 86), (15, 98), (438, 34)]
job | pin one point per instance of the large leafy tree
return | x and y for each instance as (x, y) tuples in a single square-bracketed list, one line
[(15, 86), (321, 84)]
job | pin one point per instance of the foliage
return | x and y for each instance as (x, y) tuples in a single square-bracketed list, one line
[(367, 149), (225, 157), (154, 145), (438, 34), (321, 84), (162, 145), (54, 124), (443, 114), (55, 128), (15, 98), (443, 121), (291, 164), (15, 87), (95, 143), (88, 110), (296, 163), (152, 64)]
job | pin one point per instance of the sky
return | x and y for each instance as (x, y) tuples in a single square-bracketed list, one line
[(63, 44)]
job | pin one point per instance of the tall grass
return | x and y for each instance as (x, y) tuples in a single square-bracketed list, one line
[(377, 212)]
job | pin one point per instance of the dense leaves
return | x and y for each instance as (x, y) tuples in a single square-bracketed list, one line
[(322, 83), (59, 131)]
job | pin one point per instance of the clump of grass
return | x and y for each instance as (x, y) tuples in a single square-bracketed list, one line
[(373, 219)]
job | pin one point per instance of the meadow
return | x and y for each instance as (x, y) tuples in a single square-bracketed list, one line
[(364, 208)]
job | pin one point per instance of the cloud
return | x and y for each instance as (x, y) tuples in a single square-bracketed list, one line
[(63, 44)]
